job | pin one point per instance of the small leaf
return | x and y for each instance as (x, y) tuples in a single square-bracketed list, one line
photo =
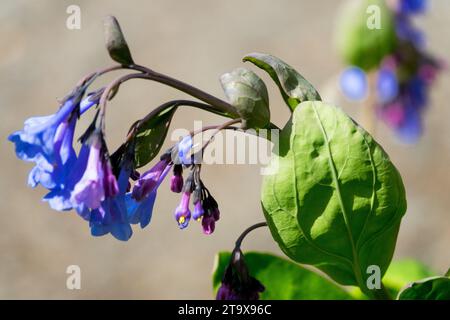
[(151, 135), (248, 94), (365, 33), (283, 279), (435, 288), (335, 200), (293, 87), (115, 41)]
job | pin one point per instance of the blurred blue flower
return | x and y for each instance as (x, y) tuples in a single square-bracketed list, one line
[(387, 85), (412, 6), (353, 83)]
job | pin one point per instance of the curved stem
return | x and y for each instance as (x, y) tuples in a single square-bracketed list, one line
[(216, 105), (187, 88), (247, 231), (99, 73), (173, 103), (221, 127)]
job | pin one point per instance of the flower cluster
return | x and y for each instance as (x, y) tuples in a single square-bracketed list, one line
[(403, 78), (96, 184), (179, 158), (237, 284)]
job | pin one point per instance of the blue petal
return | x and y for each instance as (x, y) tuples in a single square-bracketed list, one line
[(59, 199), (121, 231), (353, 83), (184, 149), (387, 85), (140, 212)]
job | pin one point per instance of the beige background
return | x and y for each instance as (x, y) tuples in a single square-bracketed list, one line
[(196, 41)]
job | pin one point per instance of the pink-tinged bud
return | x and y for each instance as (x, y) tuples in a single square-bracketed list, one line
[(198, 211), (182, 212), (208, 224), (176, 183), (216, 214)]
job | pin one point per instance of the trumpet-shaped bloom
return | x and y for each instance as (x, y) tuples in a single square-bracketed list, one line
[(150, 180), (112, 214), (141, 211), (90, 191), (47, 141)]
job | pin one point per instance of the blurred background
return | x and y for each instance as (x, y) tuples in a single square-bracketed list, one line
[(195, 41)]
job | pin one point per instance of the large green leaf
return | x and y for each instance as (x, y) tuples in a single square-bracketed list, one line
[(293, 87), (248, 94), (151, 135), (335, 199), (283, 279), (358, 39), (436, 288), (399, 274)]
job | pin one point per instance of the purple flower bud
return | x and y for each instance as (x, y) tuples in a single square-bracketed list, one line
[(176, 184), (149, 181), (225, 292), (182, 212), (216, 214), (208, 224), (237, 284), (198, 211)]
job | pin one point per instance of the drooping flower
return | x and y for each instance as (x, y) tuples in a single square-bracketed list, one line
[(47, 141), (140, 211), (150, 180), (237, 284), (112, 214), (97, 179)]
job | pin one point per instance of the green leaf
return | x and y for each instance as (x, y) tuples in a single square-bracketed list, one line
[(283, 279), (248, 94), (400, 273), (293, 87), (115, 41), (358, 44), (334, 200), (151, 135), (436, 288)]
